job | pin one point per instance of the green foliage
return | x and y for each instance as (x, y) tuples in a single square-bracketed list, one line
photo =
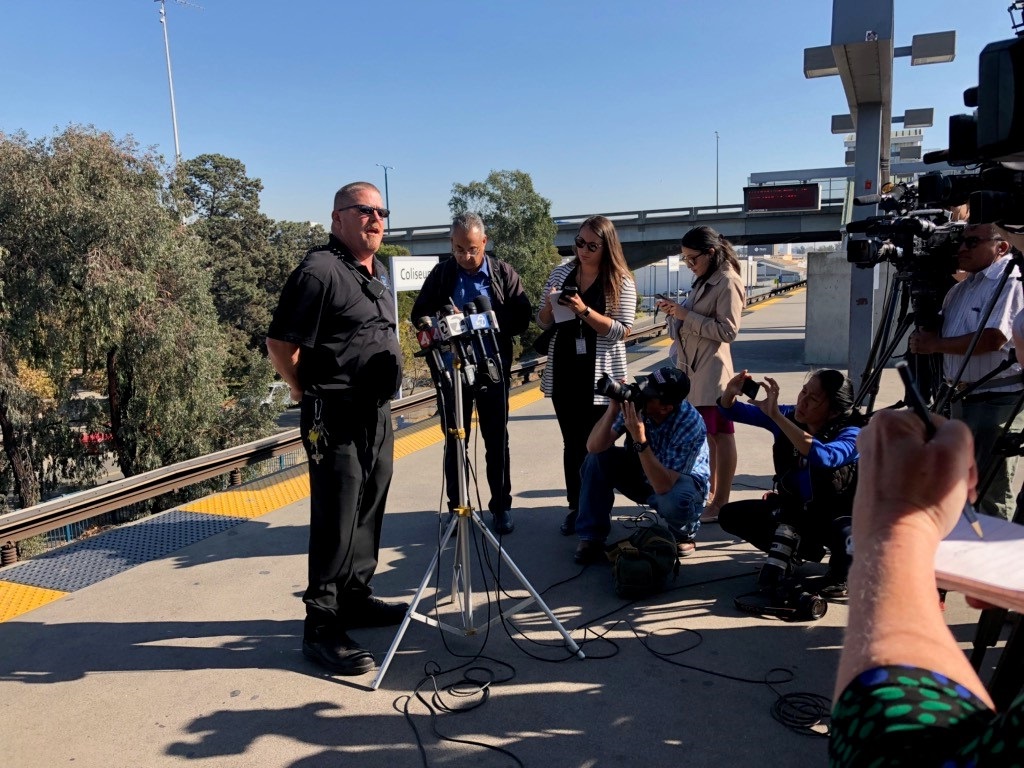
[(519, 224), (99, 280), (249, 255)]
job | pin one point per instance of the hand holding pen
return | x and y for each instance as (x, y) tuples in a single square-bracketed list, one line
[(914, 399)]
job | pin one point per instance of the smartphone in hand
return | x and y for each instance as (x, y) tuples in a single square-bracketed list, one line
[(751, 388), (661, 297)]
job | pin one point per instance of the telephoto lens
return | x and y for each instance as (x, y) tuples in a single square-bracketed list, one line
[(780, 556), (807, 606)]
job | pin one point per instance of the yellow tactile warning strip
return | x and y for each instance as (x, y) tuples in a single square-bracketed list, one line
[(412, 439), (16, 599), (665, 341), (258, 497)]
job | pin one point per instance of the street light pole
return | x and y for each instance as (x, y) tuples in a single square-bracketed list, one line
[(387, 201), (170, 82), (716, 169)]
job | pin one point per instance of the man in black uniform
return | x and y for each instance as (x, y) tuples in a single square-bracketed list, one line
[(458, 281), (333, 341)]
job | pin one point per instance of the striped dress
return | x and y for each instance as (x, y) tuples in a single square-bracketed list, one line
[(611, 351)]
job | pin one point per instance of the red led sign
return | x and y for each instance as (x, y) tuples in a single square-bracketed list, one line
[(783, 197)]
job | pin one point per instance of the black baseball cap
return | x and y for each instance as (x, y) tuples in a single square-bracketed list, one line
[(670, 385)]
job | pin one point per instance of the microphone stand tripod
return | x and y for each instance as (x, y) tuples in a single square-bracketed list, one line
[(462, 517)]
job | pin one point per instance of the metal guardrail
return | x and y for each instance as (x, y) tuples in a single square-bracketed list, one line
[(44, 517), (399, 234)]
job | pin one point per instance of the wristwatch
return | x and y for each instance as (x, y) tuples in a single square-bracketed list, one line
[(641, 447)]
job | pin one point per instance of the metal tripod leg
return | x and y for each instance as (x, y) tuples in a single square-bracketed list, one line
[(462, 523), (462, 588)]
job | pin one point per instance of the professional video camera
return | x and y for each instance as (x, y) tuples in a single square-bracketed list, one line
[(921, 243), (619, 392), (991, 138)]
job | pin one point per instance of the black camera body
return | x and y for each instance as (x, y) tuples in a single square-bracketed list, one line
[(794, 603), (990, 137), (921, 243), (619, 392)]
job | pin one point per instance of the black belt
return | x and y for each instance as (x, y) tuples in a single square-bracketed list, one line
[(347, 396)]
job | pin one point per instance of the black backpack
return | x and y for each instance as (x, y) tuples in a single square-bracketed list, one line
[(643, 562)]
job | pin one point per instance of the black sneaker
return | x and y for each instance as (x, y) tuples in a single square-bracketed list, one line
[(336, 652), (503, 524), (833, 590), (371, 612), (590, 553), (568, 526)]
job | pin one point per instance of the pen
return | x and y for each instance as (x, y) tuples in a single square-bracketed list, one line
[(917, 403)]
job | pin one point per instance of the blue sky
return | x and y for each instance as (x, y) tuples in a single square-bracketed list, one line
[(609, 106)]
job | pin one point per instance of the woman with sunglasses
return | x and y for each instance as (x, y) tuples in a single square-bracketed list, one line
[(588, 312), (704, 325)]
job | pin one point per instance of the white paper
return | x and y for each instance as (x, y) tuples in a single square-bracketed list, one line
[(988, 568)]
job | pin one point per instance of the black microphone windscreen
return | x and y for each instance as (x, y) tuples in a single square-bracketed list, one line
[(859, 225), (483, 304), (423, 323), (866, 199)]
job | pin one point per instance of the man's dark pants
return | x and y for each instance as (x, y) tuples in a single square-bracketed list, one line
[(492, 411), (348, 491)]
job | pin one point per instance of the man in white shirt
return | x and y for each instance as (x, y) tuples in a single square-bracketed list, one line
[(985, 255)]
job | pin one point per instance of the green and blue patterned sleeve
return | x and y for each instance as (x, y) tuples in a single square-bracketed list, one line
[(898, 715)]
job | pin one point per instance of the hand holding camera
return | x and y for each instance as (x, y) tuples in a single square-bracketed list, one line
[(740, 384)]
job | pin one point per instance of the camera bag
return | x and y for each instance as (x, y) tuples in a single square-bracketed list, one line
[(643, 562)]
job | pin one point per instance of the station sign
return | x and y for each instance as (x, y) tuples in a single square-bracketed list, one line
[(409, 272)]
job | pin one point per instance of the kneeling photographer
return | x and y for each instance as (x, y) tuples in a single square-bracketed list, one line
[(664, 463), (815, 459)]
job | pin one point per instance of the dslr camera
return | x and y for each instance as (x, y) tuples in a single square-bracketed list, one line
[(621, 393)]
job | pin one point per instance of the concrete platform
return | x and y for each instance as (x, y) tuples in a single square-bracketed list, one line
[(194, 658)]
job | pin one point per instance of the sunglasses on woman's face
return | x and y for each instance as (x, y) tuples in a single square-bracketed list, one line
[(581, 244)]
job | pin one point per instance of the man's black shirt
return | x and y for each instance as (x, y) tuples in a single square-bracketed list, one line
[(347, 337)]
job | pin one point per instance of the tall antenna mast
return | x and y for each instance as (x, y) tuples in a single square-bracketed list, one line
[(170, 76)]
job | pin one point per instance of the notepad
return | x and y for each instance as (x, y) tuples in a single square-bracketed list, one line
[(989, 569)]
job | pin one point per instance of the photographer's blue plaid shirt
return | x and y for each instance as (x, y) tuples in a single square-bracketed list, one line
[(680, 442)]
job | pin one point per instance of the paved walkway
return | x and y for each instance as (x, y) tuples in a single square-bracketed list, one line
[(193, 657)]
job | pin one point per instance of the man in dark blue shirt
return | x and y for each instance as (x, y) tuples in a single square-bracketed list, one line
[(333, 341), (459, 281), (664, 464)]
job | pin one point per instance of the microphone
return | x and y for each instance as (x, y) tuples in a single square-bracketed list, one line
[(426, 335), (478, 323), (483, 306), (453, 328)]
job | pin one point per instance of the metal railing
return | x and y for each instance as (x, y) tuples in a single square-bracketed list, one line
[(688, 213), (64, 510)]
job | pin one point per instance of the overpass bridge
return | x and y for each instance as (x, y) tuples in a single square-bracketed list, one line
[(650, 236)]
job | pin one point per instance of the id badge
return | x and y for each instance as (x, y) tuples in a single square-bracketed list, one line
[(581, 345)]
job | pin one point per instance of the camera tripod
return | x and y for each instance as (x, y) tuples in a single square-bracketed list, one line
[(463, 518), (887, 339)]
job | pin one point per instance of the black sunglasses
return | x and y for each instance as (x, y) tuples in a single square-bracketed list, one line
[(368, 210), (592, 247), (973, 241)]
